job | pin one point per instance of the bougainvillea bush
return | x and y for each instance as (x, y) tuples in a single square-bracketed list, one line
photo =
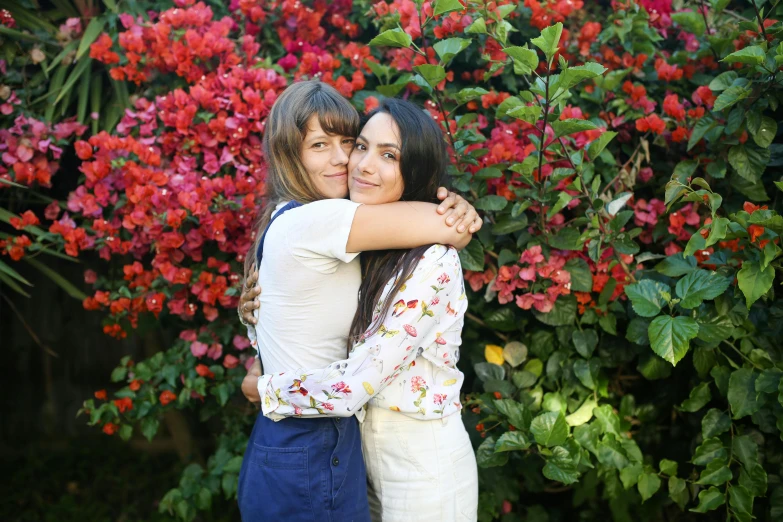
[(623, 343)]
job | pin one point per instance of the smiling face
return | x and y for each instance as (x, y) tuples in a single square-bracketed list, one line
[(374, 166), (325, 157)]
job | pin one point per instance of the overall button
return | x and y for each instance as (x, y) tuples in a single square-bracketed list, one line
[(335, 461), (337, 420)]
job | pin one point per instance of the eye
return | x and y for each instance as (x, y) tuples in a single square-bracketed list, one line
[(389, 156), (349, 141), (361, 146), (319, 145)]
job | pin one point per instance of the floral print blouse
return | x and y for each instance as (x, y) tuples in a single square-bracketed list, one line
[(408, 365)]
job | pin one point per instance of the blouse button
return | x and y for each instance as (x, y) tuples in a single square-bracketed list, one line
[(335, 461)]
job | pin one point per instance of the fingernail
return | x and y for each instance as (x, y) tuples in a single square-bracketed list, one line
[(461, 228), (440, 209), (450, 221)]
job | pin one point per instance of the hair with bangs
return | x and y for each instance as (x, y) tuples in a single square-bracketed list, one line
[(286, 128)]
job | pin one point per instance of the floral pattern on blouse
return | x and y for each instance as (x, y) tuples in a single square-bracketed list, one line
[(408, 365)]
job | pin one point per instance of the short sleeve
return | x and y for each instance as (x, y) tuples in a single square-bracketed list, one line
[(318, 233)]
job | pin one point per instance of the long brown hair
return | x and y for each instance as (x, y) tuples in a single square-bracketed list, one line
[(286, 127), (423, 163)]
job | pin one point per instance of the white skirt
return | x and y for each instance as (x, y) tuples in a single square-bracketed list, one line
[(419, 470)]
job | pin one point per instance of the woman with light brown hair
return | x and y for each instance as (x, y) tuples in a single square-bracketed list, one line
[(306, 251)]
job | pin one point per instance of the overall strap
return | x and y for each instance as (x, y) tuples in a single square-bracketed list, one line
[(289, 206)]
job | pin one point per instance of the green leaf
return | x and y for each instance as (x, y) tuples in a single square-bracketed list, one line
[(548, 40), (80, 68), (392, 38), (585, 342), (714, 423), (563, 313), (486, 457), (204, 499), (731, 96), (717, 231), (446, 6), (699, 397), (648, 297), (571, 126), (91, 33), (477, 27), (597, 146), (512, 441), (715, 474), (676, 266), (751, 55), (754, 480), (433, 74), (690, 21), (700, 285), (450, 47), (608, 419), (516, 413), (470, 93), (723, 81), (528, 113), (741, 500), (581, 276), (708, 451), (648, 485), (126, 431), (472, 256), (630, 475), (583, 414), (524, 58), (678, 492), (549, 429), (745, 450), (668, 467), (749, 162), (486, 371), (754, 282), (233, 465), (702, 127), (709, 499), (561, 467), (515, 353), (670, 336), (149, 427), (766, 132), (742, 393), (491, 203), (575, 75)]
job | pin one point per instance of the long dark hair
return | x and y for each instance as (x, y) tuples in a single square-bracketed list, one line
[(423, 163)]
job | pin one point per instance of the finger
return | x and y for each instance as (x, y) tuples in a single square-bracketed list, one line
[(447, 203), (450, 219), (442, 193), (467, 220), (476, 225), (460, 209)]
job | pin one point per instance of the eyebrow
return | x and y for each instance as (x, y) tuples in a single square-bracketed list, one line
[(380, 145)]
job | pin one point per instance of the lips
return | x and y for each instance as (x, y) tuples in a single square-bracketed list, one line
[(363, 184), (338, 174)]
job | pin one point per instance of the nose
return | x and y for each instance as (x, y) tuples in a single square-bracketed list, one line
[(339, 156), (366, 164)]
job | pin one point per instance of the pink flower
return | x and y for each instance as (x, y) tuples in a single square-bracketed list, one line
[(240, 342), (328, 406), (541, 302), (444, 278), (532, 255), (198, 349), (230, 361), (418, 383), (438, 398), (528, 273), (215, 351), (341, 387)]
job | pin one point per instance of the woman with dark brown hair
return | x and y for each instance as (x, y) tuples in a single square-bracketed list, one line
[(400, 377)]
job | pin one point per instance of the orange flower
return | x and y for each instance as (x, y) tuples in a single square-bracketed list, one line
[(498, 395), (480, 427), (754, 231), (135, 384), (166, 397), (100, 394), (109, 428)]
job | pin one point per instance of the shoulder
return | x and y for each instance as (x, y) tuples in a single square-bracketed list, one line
[(445, 258), (327, 207)]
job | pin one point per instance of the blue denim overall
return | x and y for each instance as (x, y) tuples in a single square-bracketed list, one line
[(303, 470)]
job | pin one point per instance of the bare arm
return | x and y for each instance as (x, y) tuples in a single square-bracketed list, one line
[(402, 224)]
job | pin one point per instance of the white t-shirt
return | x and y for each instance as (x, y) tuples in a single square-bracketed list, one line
[(309, 287)]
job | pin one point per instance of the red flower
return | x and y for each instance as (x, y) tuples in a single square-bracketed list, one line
[(101, 395), (166, 397), (110, 428), (651, 123), (204, 371), (755, 231), (124, 404), (135, 384), (750, 208)]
